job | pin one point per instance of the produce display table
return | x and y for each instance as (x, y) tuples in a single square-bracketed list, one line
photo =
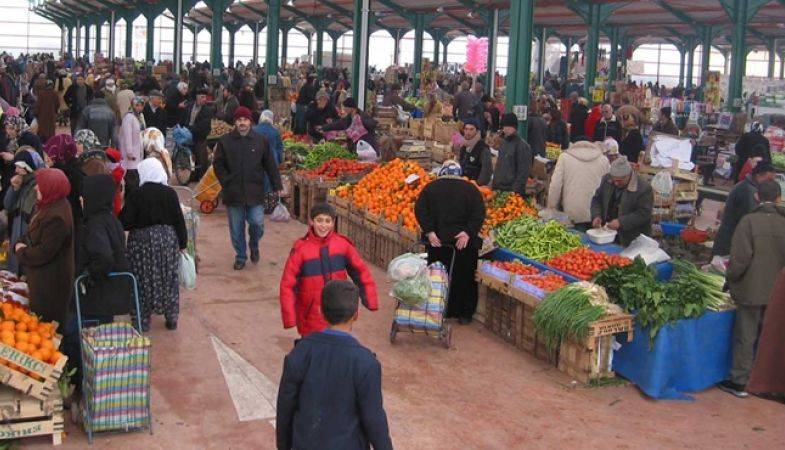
[(664, 269), (686, 356)]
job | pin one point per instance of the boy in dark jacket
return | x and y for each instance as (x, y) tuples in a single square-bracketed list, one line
[(330, 395)]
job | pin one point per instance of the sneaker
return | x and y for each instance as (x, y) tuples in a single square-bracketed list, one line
[(255, 255), (733, 388), (239, 265)]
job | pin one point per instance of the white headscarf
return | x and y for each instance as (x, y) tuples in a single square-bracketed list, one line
[(152, 171)]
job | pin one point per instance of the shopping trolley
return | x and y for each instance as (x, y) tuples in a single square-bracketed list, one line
[(187, 199)]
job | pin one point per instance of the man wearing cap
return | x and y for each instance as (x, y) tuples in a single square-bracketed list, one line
[(665, 123), (474, 155), (154, 114), (196, 118), (242, 159), (77, 97), (623, 202), (515, 159), (740, 202)]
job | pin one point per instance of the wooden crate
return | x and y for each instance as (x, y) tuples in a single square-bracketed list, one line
[(589, 360), (318, 189), (299, 207), (341, 206), (44, 426), (49, 374), (15, 406)]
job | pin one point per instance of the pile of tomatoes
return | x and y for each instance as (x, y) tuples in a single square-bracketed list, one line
[(337, 167), (516, 267), (583, 262), (547, 281)]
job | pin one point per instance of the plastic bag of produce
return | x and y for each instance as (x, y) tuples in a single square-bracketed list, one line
[(182, 135), (405, 266), (365, 152), (280, 213), (187, 271), (413, 291), (662, 183)]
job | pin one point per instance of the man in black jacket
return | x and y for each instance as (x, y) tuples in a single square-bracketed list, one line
[(242, 158), (330, 395), (77, 97), (197, 119), (154, 113), (608, 126)]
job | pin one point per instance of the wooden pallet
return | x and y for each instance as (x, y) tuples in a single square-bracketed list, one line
[(39, 388)]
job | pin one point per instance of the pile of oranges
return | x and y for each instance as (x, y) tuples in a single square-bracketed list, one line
[(385, 191), (23, 331), (504, 207)]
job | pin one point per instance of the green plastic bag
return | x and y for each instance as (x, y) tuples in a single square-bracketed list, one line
[(413, 291)]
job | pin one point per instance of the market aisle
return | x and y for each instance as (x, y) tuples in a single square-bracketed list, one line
[(482, 394)]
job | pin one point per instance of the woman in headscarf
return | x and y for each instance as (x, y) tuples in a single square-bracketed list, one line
[(130, 143), (155, 221), (46, 107), (450, 211), (266, 129), (61, 149), (47, 249), (19, 201), (92, 158)]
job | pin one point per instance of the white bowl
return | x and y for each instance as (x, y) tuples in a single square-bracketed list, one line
[(601, 235)]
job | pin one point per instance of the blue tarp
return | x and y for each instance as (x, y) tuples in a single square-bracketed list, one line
[(686, 356)]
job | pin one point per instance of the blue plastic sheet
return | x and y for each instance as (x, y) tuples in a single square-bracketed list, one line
[(686, 356)]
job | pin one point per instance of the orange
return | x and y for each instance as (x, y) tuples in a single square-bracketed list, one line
[(21, 326), (33, 324), (47, 344), (46, 354), (31, 348), (37, 355), (22, 346), (55, 357), (34, 338), (5, 334), (7, 325), (27, 318), (22, 336)]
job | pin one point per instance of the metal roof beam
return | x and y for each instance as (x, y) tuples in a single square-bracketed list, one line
[(297, 13), (466, 23), (480, 9), (336, 7), (254, 10), (677, 13)]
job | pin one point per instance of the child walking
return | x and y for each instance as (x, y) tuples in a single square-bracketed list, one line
[(322, 255), (330, 396)]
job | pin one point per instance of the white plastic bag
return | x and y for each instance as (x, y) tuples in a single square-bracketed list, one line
[(405, 266), (662, 183), (365, 152), (280, 213), (647, 248), (187, 271)]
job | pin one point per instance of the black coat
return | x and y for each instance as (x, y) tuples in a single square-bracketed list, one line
[(317, 117), (607, 128), (578, 115), (154, 204), (345, 122), (477, 164), (174, 114), (448, 206), (557, 132), (103, 252), (749, 145), (635, 207), (632, 145), (740, 202), (240, 163), (201, 126), (70, 99), (330, 397), (157, 119)]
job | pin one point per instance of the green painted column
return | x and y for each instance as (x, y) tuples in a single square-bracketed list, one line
[(782, 65), (706, 40), (542, 44), (567, 46), (690, 60), (70, 43), (493, 37), (231, 46), (98, 30), (334, 55), (271, 57), (445, 44), (178, 9), (150, 41), (284, 43), (87, 40), (397, 47), (436, 52), (216, 31), (255, 43), (681, 66), (772, 60), (318, 59), (520, 57), (359, 49), (129, 36), (613, 72), (592, 44), (112, 31), (738, 55), (419, 28)]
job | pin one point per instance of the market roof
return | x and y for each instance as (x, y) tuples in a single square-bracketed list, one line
[(673, 21)]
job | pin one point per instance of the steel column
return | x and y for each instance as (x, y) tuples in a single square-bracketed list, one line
[(112, 26), (194, 45), (690, 61), (592, 44), (542, 43), (177, 46), (772, 60), (70, 41), (255, 52), (706, 54), (681, 66), (319, 48), (397, 47), (98, 33), (63, 34), (739, 55), (87, 41), (419, 28), (271, 57), (520, 57), (78, 39), (435, 49), (613, 72), (493, 37), (150, 42), (444, 57), (360, 50), (335, 52), (216, 32), (284, 44), (782, 66), (129, 36)]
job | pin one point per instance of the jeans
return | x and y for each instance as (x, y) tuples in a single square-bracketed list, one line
[(238, 215)]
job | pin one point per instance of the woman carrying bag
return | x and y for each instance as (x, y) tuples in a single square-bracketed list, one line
[(156, 226)]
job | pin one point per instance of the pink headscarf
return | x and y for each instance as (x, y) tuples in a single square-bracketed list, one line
[(61, 148)]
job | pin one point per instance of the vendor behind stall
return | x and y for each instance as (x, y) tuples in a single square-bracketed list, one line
[(320, 112), (578, 173), (741, 201), (623, 202), (665, 123), (515, 159), (393, 98), (475, 156), (358, 125), (751, 142), (450, 212)]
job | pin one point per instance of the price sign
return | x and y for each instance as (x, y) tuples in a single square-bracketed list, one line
[(522, 111)]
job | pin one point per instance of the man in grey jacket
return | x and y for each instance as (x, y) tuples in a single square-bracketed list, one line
[(515, 159), (756, 258), (100, 118), (535, 133)]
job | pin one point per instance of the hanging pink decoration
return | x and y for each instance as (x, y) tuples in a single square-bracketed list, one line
[(476, 55)]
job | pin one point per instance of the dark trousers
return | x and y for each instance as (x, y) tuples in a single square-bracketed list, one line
[(131, 182), (462, 301), (201, 159), (746, 330)]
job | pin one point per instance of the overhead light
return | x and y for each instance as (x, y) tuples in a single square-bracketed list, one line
[(470, 14), (440, 9), (290, 3)]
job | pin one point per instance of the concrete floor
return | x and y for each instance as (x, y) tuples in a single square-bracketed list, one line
[(481, 394)]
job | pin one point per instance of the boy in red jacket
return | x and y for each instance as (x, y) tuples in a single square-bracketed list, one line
[(322, 255)]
